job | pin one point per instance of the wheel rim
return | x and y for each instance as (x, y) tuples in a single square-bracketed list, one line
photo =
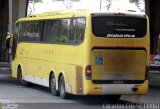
[(20, 75), (53, 84), (62, 89)]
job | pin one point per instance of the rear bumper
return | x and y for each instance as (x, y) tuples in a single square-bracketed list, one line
[(105, 89)]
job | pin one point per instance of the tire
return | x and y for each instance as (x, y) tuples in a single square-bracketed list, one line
[(62, 90), (53, 85), (19, 78)]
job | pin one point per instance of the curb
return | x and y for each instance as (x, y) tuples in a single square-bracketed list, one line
[(4, 64)]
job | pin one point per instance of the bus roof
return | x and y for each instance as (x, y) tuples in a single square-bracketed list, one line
[(57, 14), (62, 12), (75, 13)]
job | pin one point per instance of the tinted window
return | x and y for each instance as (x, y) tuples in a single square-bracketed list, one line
[(61, 31), (30, 31), (119, 27), (64, 31)]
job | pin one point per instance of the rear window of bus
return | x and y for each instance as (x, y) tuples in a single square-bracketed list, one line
[(119, 26)]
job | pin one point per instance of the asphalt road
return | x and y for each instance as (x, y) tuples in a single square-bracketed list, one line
[(15, 96)]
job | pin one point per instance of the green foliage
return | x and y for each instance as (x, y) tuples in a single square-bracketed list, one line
[(109, 4), (71, 0), (37, 1), (134, 1), (137, 3)]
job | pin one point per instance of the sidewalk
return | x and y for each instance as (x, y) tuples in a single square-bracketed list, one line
[(154, 79), (4, 64), (153, 97), (5, 68)]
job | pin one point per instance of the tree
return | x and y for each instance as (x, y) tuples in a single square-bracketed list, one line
[(105, 3), (37, 1), (67, 3), (109, 4), (63, 0), (138, 4), (32, 5), (4, 20)]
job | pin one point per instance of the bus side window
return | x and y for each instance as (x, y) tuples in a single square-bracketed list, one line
[(79, 29)]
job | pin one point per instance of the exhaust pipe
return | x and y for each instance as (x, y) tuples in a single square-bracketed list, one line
[(135, 88)]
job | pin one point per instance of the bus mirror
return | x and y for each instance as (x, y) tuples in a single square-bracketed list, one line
[(8, 42)]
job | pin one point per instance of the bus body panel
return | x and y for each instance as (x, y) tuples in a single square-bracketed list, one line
[(21, 59), (48, 58), (113, 61), (118, 64), (119, 59), (106, 89)]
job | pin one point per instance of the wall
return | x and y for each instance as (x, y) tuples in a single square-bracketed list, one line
[(154, 14), (3, 27), (17, 9), (10, 11)]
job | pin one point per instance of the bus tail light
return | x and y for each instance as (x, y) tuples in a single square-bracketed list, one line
[(146, 72), (88, 72)]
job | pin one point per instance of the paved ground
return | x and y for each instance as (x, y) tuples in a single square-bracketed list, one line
[(14, 96)]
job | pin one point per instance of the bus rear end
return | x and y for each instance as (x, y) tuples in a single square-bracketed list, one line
[(119, 54)]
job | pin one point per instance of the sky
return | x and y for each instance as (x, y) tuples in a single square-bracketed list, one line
[(94, 5)]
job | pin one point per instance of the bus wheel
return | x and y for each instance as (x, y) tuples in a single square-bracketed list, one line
[(19, 78), (53, 85), (62, 89)]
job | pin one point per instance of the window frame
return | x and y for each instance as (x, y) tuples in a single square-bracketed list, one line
[(42, 36)]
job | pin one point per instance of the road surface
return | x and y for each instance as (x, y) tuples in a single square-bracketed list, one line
[(15, 96)]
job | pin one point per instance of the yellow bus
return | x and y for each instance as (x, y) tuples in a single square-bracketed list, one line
[(80, 52)]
